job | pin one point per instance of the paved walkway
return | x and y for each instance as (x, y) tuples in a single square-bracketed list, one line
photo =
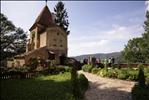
[(107, 89)]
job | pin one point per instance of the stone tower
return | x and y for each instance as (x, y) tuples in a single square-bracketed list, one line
[(45, 33), (46, 39)]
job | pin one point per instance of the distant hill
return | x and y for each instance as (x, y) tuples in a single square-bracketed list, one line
[(116, 55)]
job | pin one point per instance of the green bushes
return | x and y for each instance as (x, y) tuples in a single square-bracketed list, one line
[(33, 63), (87, 68), (133, 75), (75, 84), (147, 78), (55, 70), (112, 73), (122, 73), (95, 70), (79, 84), (67, 69), (141, 77), (102, 72), (83, 82), (140, 91)]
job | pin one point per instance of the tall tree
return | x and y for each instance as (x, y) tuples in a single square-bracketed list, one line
[(13, 39), (146, 38), (61, 16), (133, 51), (137, 49)]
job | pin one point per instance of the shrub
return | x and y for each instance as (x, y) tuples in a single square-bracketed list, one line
[(75, 84), (140, 93), (123, 74), (141, 77), (87, 68), (115, 66), (133, 75), (46, 71), (67, 69), (33, 63), (23, 69), (83, 82), (56, 70), (95, 70), (112, 73), (3, 69), (102, 72), (146, 69), (59, 69), (147, 78)]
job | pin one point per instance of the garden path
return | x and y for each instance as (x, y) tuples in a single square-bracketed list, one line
[(107, 89)]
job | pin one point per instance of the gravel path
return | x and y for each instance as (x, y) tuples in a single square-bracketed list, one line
[(107, 89)]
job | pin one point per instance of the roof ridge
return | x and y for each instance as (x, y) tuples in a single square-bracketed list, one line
[(44, 18)]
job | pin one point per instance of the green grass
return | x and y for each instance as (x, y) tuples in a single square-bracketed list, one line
[(51, 87)]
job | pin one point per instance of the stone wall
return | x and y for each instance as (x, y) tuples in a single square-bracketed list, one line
[(56, 39), (41, 53), (15, 63), (19, 62), (10, 63), (43, 39)]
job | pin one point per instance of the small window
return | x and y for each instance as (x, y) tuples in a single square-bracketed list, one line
[(54, 45), (54, 39), (57, 33), (61, 45)]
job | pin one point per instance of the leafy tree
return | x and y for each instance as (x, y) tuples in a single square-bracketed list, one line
[(61, 16), (137, 49), (146, 38), (13, 39), (132, 52)]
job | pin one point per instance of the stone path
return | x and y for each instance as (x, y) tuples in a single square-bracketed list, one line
[(107, 89)]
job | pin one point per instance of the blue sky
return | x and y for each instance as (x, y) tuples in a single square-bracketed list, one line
[(95, 26)]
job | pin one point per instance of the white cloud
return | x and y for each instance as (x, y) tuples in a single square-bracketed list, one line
[(103, 41), (147, 5)]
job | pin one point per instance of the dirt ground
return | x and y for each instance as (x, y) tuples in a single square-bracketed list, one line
[(107, 89)]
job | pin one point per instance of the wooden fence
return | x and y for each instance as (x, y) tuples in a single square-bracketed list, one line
[(18, 75), (133, 65)]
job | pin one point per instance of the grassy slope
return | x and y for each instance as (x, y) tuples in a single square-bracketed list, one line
[(52, 87)]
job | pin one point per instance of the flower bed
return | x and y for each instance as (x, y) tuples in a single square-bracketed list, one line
[(123, 73)]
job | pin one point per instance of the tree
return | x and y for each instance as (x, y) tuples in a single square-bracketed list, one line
[(13, 39), (133, 51), (146, 38), (137, 49), (61, 16)]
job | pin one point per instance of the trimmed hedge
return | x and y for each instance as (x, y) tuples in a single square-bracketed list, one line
[(140, 93), (87, 68), (83, 82)]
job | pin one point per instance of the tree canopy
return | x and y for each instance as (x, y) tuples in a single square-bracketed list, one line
[(61, 16), (13, 39), (137, 49)]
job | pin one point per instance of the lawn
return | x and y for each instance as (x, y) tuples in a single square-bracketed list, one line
[(51, 87)]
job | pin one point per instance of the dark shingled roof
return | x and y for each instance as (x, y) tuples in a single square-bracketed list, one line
[(44, 19)]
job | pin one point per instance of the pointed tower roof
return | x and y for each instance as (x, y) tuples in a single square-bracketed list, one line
[(44, 19)]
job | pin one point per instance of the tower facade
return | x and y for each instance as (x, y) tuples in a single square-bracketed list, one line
[(47, 41), (44, 33)]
